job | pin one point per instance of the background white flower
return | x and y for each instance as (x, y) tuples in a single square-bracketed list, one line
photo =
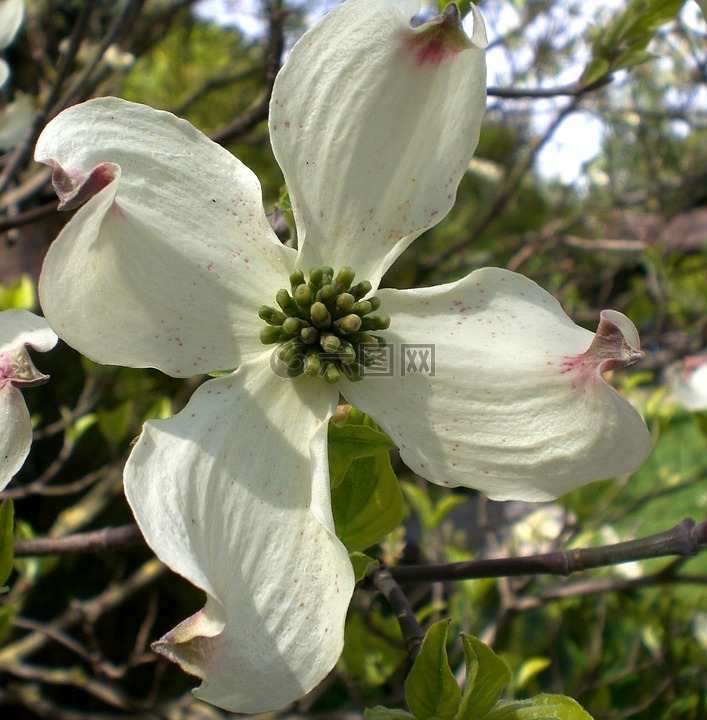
[(18, 329), (12, 13)]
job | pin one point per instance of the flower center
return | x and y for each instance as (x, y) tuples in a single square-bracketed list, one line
[(323, 325)]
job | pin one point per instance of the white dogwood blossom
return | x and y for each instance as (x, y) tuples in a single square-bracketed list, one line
[(170, 263), (688, 378), (12, 13), (18, 329)]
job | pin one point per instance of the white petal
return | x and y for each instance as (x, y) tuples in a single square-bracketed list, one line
[(12, 13), (18, 328), (4, 72), (373, 132), (233, 493), (689, 380), (15, 119), (21, 327), (171, 256), (517, 406), (15, 432)]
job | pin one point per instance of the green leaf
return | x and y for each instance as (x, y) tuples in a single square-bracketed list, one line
[(368, 504), (372, 649), (486, 676), (622, 42), (115, 424), (540, 707), (366, 500), (428, 513), (20, 294), (7, 513), (361, 562), (528, 669), (7, 615), (383, 713), (431, 690), (351, 442)]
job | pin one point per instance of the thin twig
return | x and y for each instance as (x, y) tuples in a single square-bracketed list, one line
[(413, 634)]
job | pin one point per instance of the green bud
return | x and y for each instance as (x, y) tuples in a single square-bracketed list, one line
[(347, 353), (332, 374), (271, 316), (312, 364), (349, 324), (329, 343), (345, 277), (375, 322), (320, 315), (292, 326), (296, 278), (375, 302), (288, 305), (361, 289), (363, 307), (270, 334), (345, 302), (303, 295), (326, 294), (315, 276), (363, 338), (309, 335)]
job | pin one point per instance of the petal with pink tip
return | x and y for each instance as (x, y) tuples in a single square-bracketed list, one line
[(169, 257), (233, 494), (516, 405), (18, 329), (373, 123)]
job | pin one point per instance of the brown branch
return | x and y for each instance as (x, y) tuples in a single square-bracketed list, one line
[(109, 538), (575, 89), (259, 110), (684, 539), (413, 634)]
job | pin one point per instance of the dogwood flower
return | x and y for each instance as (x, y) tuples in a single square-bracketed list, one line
[(18, 329), (688, 378), (170, 262), (12, 13)]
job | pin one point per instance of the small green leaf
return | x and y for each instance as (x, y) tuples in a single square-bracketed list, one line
[(540, 707), (7, 513), (428, 513), (431, 690), (361, 562), (528, 669), (7, 615), (20, 294), (368, 504), (350, 442), (486, 676), (372, 649), (115, 423), (383, 713), (366, 500)]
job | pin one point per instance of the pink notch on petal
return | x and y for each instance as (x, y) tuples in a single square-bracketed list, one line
[(74, 188), (442, 37), (16, 367), (615, 345)]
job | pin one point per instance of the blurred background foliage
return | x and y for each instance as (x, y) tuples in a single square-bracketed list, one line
[(625, 227)]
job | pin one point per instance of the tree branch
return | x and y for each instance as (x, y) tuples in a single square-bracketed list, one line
[(686, 538), (109, 538), (413, 634)]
